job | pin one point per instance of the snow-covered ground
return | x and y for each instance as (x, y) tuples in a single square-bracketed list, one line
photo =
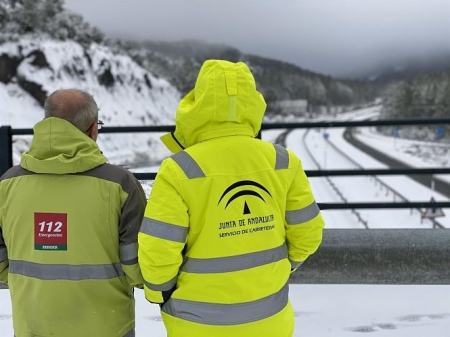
[(328, 311), (339, 310), (362, 188), (419, 154)]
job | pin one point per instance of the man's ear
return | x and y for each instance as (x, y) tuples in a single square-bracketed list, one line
[(93, 131)]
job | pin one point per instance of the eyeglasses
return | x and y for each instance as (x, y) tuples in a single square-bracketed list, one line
[(100, 124)]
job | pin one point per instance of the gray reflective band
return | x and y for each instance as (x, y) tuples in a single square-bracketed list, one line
[(234, 263), (227, 314), (188, 165), (161, 287), (129, 253), (65, 271), (295, 264), (300, 216), (164, 230), (3, 254), (282, 160), (130, 334)]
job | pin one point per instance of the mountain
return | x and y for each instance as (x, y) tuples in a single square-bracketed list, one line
[(276, 80), (406, 69)]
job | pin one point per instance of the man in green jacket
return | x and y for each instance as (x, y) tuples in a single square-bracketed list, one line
[(68, 229)]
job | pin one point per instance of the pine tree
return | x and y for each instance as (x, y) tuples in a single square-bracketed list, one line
[(51, 8), (29, 16)]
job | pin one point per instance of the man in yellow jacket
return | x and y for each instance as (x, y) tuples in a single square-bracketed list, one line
[(68, 229), (229, 216)]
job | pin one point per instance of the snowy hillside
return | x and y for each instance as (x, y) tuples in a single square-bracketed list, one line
[(126, 94)]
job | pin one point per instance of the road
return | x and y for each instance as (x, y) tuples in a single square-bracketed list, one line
[(424, 179)]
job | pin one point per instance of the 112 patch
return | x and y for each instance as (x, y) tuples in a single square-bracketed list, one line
[(50, 231)]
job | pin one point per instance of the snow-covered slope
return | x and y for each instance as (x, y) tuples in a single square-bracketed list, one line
[(126, 94)]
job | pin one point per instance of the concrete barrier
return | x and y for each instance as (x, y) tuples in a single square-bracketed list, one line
[(379, 256)]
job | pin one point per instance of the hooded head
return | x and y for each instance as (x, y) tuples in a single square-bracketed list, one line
[(223, 103)]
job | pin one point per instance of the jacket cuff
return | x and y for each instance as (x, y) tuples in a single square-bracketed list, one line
[(153, 296)]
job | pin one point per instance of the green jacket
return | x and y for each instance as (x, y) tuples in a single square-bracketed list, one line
[(228, 217), (68, 237)]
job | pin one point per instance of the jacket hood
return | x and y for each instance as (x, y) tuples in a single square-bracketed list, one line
[(58, 147), (224, 102)]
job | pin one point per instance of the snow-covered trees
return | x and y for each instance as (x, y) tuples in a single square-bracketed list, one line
[(46, 16), (426, 96)]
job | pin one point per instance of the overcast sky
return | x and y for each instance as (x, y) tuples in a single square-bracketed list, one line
[(336, 37)]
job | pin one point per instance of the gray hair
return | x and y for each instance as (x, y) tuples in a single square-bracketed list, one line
[(76, 106)]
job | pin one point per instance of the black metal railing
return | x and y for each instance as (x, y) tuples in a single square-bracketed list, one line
[(7, 133)]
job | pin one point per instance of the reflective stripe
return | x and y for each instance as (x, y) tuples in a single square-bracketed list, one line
[(3, 254), (282, 160), (234, 263), (227, 314), (162, 287), (131, 333), (164, 230), (295, 264), (65, 271), (129, 253), (188, 165), (302, 215)]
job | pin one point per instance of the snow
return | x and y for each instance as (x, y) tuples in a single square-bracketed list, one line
[(328, 311), (136, 98), (419, 154), (362, 188), (321, 310)]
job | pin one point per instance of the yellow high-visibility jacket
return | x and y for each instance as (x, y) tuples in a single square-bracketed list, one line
[(228, 217), (68, 237)]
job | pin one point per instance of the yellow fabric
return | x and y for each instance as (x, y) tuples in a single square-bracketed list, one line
[(101, 215), (153, 296), (133, 274), (225, 224), (4, 271), (193, 203), (60, 148), (171, 143), (204, 113), (279, 325)]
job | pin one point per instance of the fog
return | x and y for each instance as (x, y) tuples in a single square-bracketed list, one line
[(339, 38)]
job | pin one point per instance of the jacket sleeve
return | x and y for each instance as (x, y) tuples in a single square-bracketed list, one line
[(163, 235), (4, 263), (130, 222), (304, 223)]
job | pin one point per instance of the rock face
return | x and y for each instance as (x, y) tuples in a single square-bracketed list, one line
[(127, 94), (34, 89), (38, 59), (105, 77), (8, 67)]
